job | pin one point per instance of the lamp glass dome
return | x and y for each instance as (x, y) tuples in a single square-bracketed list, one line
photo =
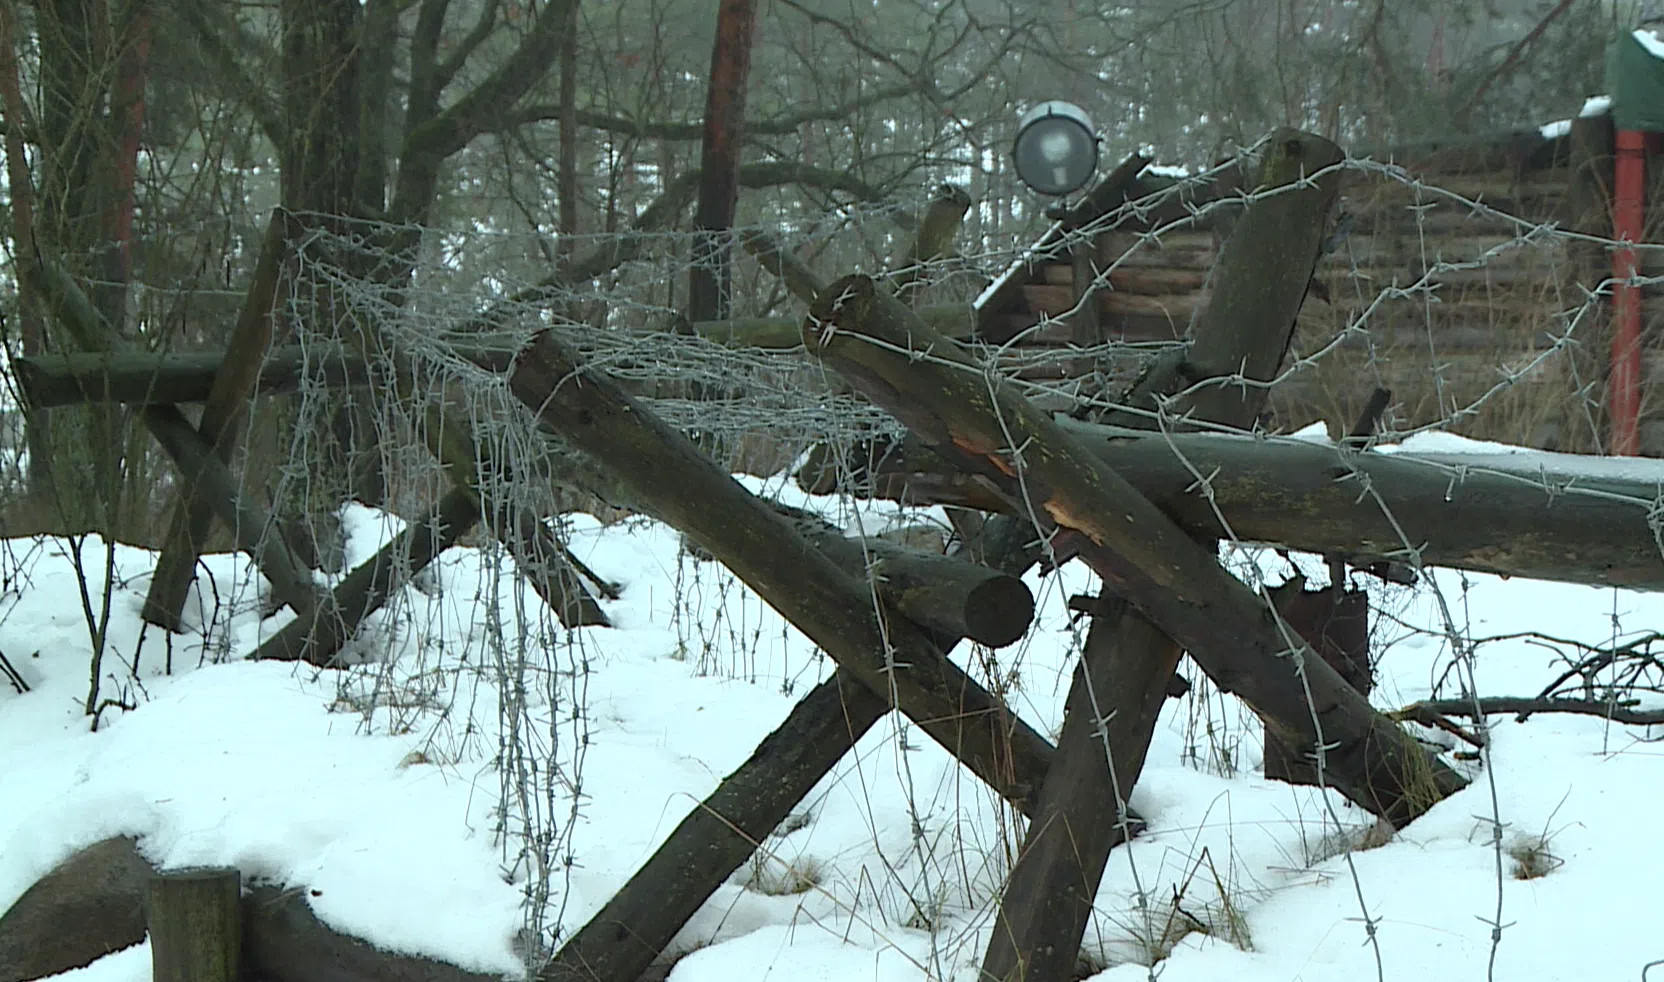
[(1056, 152)]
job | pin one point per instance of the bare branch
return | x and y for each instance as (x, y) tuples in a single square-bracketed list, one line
[(1618, 711)]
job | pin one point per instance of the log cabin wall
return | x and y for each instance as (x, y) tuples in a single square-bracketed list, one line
[(1453, 307)]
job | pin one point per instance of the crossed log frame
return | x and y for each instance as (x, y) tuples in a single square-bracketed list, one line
[(1039, 472)]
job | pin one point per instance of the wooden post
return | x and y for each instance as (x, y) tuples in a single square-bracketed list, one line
[(1628, 220), (1335, 622), (195, 925)]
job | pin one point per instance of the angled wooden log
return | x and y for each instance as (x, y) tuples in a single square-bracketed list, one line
[(318, 636), (222, 418), (254, 529), (936, 388), (718, 836), (551, 569), (893, 657)]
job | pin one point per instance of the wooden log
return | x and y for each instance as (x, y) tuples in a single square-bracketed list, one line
[(663, 468), (1510, 150), (254, 529), (1117, 187), (88, 906), (934, 240), (1148, 279), (1457, 511), (284, 941), (782, 333), (154, 378), (193, 917), (1057, 301), (938, 391), (943, 593), (318, 636), (552, 570), (1335, 622), (221, 426), (715, 839)]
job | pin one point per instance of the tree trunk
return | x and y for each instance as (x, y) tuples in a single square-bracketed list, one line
[(709, 279), (32, 332), (78, 195), (566, 246)]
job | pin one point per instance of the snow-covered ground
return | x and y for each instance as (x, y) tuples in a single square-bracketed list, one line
[(404, 791)]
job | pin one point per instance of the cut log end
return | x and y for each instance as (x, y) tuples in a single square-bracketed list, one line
[(998, 611)]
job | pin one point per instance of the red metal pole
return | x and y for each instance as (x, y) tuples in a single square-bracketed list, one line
[(1628, 207)]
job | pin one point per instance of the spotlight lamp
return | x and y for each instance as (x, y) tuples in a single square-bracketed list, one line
[(1056, 152)]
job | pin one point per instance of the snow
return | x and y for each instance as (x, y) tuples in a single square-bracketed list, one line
[(380, 786), (1649, 39), (1593, 106)]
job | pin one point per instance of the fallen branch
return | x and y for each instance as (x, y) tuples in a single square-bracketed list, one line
[(1427, 711)]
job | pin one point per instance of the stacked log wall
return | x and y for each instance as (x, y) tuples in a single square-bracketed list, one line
[(1452, 338)]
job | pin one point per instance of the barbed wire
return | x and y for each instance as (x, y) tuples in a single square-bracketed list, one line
[(425, 314)]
